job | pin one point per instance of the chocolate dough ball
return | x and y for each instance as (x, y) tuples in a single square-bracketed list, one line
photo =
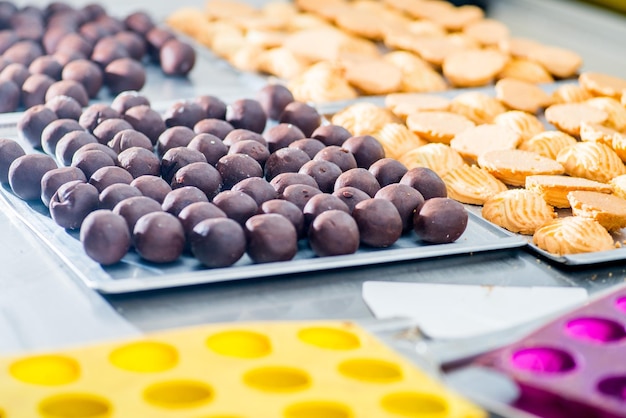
[(70, 88), (72, 202), (303, 116), (107, 50), (53, 179), (331, 135), (106, 176), (65, 107), (254, 149), (201, 175), (219, 128), (273, 99), (91, 161), (129, 138), (323, 172), (334, 232), (34, 89), (440, 220), (284, 180), (309, 145), (178, 199), (257, 188), (425, 181), (235, 167), (271, 237), (9, 152), (237, 135), (139, 162), (379, 222), (246, 114), (95, 114), (133, 208), (9, 96), (300, 194), (286, 209), (70, 143), (115, 193), (351, 196), (211, 146), (139, 22), (159, 237), (146, 120), (321, 203), (197, 212), (177, 58), (177, 136), (183, 113), (108, 128), (406, 199), (133, 43), (124, 74), (338, 156), (23, 52), (282, 135), (218, 242), (285, 160), (359, 178), (388, 171), (153, 187), (48, 65), (366, 150), (176, 158), (212, 106), (127, 99), (86, 73), (52, 134), (105, 237), (238, 206), (15, 72)]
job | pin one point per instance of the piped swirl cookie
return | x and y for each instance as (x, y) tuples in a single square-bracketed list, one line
[(438, 157), (518, 210), (609, 210), (548, 143), (472, 184), (513, 166), (477, 107), (573, 235), (524, 123), (438, 126), (591, 160)]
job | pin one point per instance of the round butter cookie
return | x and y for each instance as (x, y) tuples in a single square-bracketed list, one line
[(594, 132), (480, 139), (560, 62), (403, 104), (548, 143), (591, 160), (363, 118), (568, 116), (614, 109), (573, 235), (600, 84), (522, 95), (472, 184), (438, 126), (619, 185), (322, 82), (514, 165), (609, 210), (438, 157), (487, 32), (518, 210), (570, 93), (477, 107), (554, 189), (397, 140), (473, 68), (525, 124), (525, 70), (373, 76)]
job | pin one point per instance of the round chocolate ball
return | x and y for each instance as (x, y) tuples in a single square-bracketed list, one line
[(99, 147), (153, 187), (3, 63), (406, 199), (366, 150), (334, 232), (159, 237), (52, 36), (48, 65), (115, 193), (133, 208), (74, 42), (254, 149), (300, 194), (331, 135), (303, 116), (257, 188), (133, 43), (70, 88), (379, 222), (9, 152), (65, 107), (388, 171), (176, 158), (183, 113), (238, 206), (112, 25), (34, 89), (309, 145), (285, 160), (105, 237), (156, 38), (124, 74), (219, 128), (425, 181), (95, 114), (90, 31), (108, 128), (70, 143), (338, 156), (218, 242), (127, 99), (235, 167), (55, 130), (321, 203), (237, 135), (177, 58), (323, 172), (72, 202), (178, 199), (91, 161), (129, 138), (107, 50), (197, 212), (271, 237), (23, 52), (284, 180), (146, 120), (211, 146), (32, 123), (274, 98), (246, 114), (53, 179), (359, 178), (106, 176), (15, 72), (440, 220), (139, 22), (201, 175), (286, 209), (139, 162), (86, 73), (212, 106), (351, 196), (177, 136), (282, 135), (7, 38), (65, 57), (9, 96)]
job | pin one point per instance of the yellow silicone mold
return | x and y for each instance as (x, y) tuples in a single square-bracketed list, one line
[(247, 370)]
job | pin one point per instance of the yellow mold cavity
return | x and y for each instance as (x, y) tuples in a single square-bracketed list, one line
[(145, 356), (318, 409), (414, 404), (277, 379), (50, 370), (243, 344), (178, 394), (331, 338), (371, 370), (77, 405)]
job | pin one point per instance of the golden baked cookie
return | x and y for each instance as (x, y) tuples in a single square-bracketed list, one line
[(477, 107), (188, 21), (518, 47), (573, 235), (403, 104), (434, 49), (525, 124), (548, 143), (600, 84), (522, 95), (317, 6), (570, 93), (427, 28), (363, 118), (406, 61), (265, 38), (525, 70), (604, 135), (488, 32), (591, 160), (322, 82), (365, 23), (438, 126), (518, 210), (456, 18), (373, 76), (227, 9), (619, 185), (568, 116), (554, 189), (560, 62), (327, 44), (397, 140), (227, 40), (472, 184), (247, 57), (473, 68), (281, 62), (480, 139), (438, 157), (609, 210), (422, 80), (304, 21), (513, 166), (615, 110)]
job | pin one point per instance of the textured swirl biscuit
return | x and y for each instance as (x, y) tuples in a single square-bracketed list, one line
[(518, 210), (480, 139), (322, 82), (573, 235), (600, 84), (513, 166), (477, 107), (554, 189), (599, 133), (568, 116), (609, 210), (591, 160), (570, 93), (522, 95), (438, 157), (397, 140), (525, 70), (525, 124), (614, 109), (471, 184), (619, 185), (282, 63), (548, 143), (560, 62), (363, 118), (438, 126), (403, 104)]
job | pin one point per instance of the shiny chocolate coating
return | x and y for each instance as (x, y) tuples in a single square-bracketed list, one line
[(309, 145), (91, 161), (139, 22), (95, 114), (379, 222), (274, 98), (406, 199), (238, 206), (254, 149), (366, 150), (23, 52), (284, 180), (321, 203), (337, 155), (16, 72), (65, 107), (210, 145), (107, 50), (124, 74), (303, 116), (177, 58), (133, 43), (153, 187), (197, 212), (219, 128), (178, 199), (351, 196), (133, 208), (285, 160), (139, 162), (177, 136), (331, 135), (115, 193), (282, 135), (235, 167), (128, 138), (34, 89), (176, 158), (72, 202), (237, 135), (257, 188), (146, 120), (300, 194), (53, 179), (246, 114), (441, 220), (184, 113), (70, 88), (48, 65), (323, 172), (86, 73), (56, 129), (108, 128), (271, 237), (105, 237), (9, 151), (388, 171), (70, 143), (213, 107), (201, 175), (127, 99), (288, 210), (106, 176), (334, 232), (359, 178), (425, 181), (218, 242), (159, 237)]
